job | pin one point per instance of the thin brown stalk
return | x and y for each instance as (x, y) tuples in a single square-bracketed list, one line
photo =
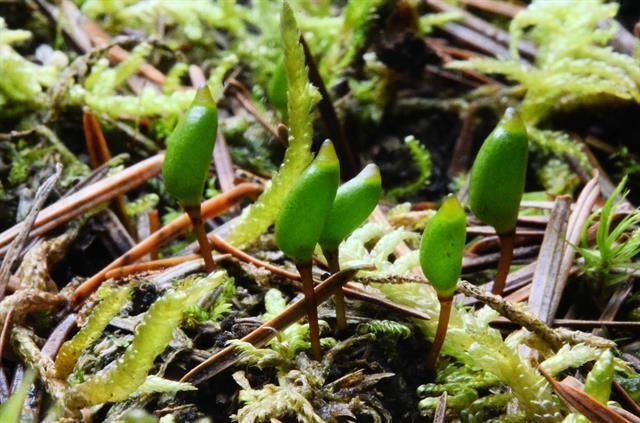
[(311, 304), (441, 332), (198, 226), (341, 314), (506, 256)]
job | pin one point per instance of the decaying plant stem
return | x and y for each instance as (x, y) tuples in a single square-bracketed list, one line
[(441, 331), (195, 216), (506, 256), (554, 337)]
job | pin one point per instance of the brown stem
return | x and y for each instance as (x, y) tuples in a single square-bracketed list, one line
[(312, 308), (506, 255), (441, 332), (205, 248), (334, 267)]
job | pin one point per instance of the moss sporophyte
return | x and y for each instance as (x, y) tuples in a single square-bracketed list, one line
[(441, 251), (186, 163), (299, 224), (497, 184), (354, 202)]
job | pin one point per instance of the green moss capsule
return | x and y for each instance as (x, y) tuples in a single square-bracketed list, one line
[(354, 202), (442, 247), (277, 88), (306, 207), (498, 174), (189, 150)]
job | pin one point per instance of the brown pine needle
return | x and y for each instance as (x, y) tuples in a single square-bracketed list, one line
[(168, 232), (89, 197)]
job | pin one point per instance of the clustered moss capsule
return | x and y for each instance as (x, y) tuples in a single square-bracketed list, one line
[(300, 222), (442, 246), (354, 202), (189, 150), (306, 207), (498, 174)]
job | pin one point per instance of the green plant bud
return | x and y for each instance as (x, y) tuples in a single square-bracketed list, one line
[(498, 174), (442, 247), (277, 88), (599, 379), (354, 202), (306, 207), (189, 150)]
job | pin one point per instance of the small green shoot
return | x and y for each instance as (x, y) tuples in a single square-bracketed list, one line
[(186, 163), (354, 202), (299, 225), (497, 184), (441, 251), (611, 261)]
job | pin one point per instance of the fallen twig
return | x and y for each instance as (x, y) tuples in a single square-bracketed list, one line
[(554, 337)]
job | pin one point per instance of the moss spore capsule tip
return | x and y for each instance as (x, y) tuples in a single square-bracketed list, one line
[(189, 150), (442, 246), (354, 202), (498, 174)]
